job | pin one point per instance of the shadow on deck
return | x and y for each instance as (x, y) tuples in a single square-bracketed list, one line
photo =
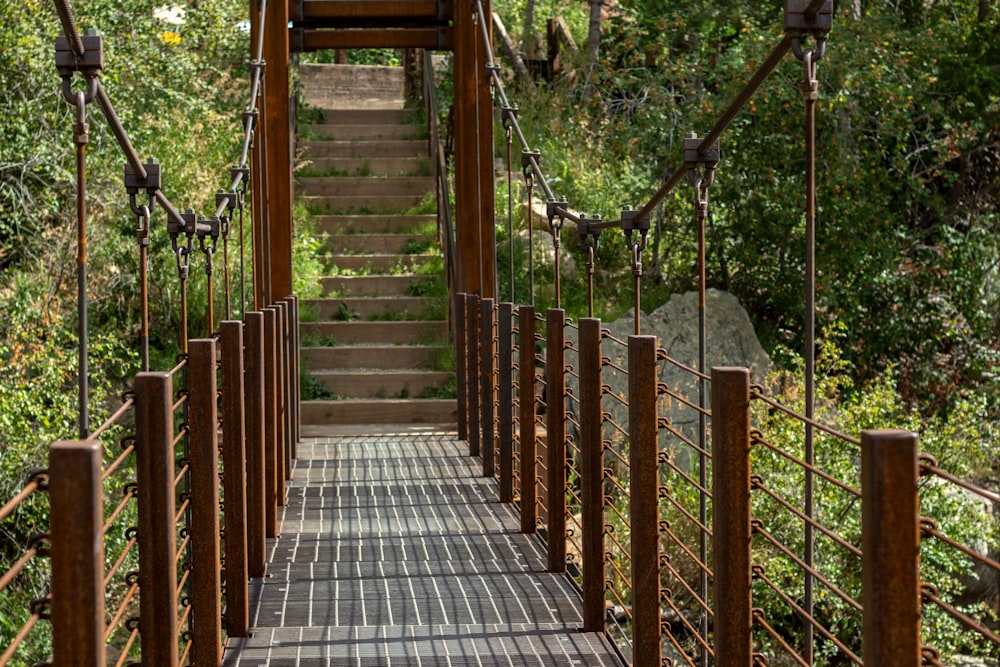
[(394, 551)]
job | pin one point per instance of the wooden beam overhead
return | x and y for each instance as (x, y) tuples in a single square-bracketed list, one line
[(307, 10), (311, 39)]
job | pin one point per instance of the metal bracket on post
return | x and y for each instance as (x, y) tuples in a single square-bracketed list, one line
[(90, 63), (208, 230), (590, 238), (134, 183), (799, 23), (631, 222), (188, 226), (528, 161)]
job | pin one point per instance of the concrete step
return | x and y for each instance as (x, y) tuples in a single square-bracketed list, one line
[(374, 166), (368, 116), (351, 86), (375, 263), (369, 307), (363, 149), (392, 333), (364, 132), (341, 186), (385, 223), (361, 203), (381, 383), (370, 356), (372, 285), (380, 411), (375, 244)]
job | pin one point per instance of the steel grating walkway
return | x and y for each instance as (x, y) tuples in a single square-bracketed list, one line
[(393, 551)]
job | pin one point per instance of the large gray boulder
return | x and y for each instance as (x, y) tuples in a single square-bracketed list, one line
[(730, 341)]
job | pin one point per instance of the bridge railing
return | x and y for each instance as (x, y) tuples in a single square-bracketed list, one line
[(144, 516), (699, 548)]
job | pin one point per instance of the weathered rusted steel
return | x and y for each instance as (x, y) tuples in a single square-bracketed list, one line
[(206, 585), (273, 476), (154, 460), (76, 518), (352, 12), (731, 519), (277, 112), (555, 427), (644, 501), (487, 389), (505, 399), (234, 466), (474, 233), (281, 358), (255, 443), (526, 415), (461, 364), (439, 38), (296, 405), (890, 541), (592, 475), (472, 368)]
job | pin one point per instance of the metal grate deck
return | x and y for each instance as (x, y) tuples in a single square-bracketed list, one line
[(393, 551)]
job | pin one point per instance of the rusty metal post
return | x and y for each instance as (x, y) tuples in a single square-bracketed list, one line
[(890, 541), (281, 378), (154, 462), (294, 400), (487, 391), (461, 322), (274, 477), (731, 590), (644, 496), (472, 367), (276, 112), (505, 404), (526, 415), (206, 585), (555, 427), (592, 475), (255, 444), (76, 518), (234, 466)]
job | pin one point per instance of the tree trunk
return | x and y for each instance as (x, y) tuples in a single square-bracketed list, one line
[(856, 10), (594, 33), (984, 10), (528, 30)]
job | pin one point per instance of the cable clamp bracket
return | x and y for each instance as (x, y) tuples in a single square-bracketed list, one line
[(556, 212), (631, 223), (90, 64), (798, 24)]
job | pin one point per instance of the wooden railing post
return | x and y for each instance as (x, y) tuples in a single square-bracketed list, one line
[(487, 390), (206, 586), (274, 476), (234, 466), (505, 402), (255, 444), (154, 460), (890, 541), (76, 519), (731, 592), (644, 501), (592, 475), (555, 427), (526, 437), (461, 300), (472, 368)]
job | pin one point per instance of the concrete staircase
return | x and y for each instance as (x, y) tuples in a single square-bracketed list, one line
[(379, 343)]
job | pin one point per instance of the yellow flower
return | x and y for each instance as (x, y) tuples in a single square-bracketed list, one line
[(170, 38)]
